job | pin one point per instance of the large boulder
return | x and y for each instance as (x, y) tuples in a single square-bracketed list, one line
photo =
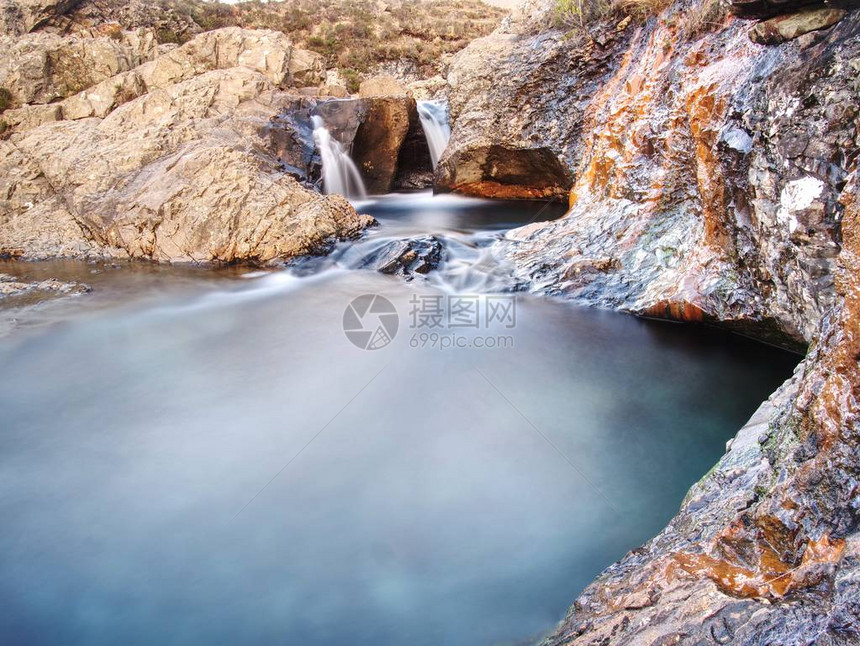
[(382, 133), (782, 28), (516, 103), (267, 52), (378, 140), (20, 16), (42, 67), (493, 170), (380, 86), (184, 173)]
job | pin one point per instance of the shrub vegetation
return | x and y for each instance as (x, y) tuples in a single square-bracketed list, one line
[(5, 99), (356, 35)]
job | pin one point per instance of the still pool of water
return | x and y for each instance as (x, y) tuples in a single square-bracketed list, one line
[(220, 465)]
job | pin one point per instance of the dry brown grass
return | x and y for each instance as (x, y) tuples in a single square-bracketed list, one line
[(695, 19), (641, 8), (702, 17), (356, 35)]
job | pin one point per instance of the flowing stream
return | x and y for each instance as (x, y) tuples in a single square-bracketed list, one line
[(210, 460), (340, 174), (434, 121)]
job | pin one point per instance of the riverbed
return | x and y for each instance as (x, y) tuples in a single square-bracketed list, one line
[(190, 456)]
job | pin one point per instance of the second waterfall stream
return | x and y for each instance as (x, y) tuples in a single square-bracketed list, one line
[(434, 121), (340, 174)]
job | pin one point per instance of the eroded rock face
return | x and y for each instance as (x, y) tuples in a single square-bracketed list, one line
[(713, 180), (700, 161), (788, 27), (766, 548), (379, 138), (267, 52), (501, 172), (414, 165), (172, 26), (20, 16), (41, 67), (183, 168)]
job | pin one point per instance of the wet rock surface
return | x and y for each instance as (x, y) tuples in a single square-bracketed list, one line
[(379, 138), (12, 286), (712, 181), (708, 170), (414, 166), (404, 258), (385, 139), (766, 548)]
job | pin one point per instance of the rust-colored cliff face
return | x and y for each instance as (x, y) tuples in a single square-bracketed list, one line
[(766, 548), (706, 169), (713, 179)]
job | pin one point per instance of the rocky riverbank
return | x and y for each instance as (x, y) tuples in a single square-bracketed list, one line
[(711, 168), (168, 159), (116, 144)]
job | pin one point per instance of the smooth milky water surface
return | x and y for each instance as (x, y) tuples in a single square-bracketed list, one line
[(220, 465)]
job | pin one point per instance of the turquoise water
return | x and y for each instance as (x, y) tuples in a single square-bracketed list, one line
[(220, 465)]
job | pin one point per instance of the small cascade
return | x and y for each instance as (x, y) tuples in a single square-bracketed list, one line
[(340, 174), (434, 121)]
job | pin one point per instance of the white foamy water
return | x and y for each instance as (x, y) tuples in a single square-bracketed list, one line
[(340, 174), (434, 121)]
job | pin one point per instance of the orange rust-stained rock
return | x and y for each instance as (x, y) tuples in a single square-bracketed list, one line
[(714, 180), (502, 172), (770, 577), (676, 311), (497, 190)]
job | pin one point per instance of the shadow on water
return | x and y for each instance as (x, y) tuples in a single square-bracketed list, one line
[(221, 465)]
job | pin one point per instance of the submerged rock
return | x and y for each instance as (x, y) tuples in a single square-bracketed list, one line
[(12, 286), (404, 258)]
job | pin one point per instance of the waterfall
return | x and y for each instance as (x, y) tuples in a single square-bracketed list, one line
[(434, 121), (340, 174)]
